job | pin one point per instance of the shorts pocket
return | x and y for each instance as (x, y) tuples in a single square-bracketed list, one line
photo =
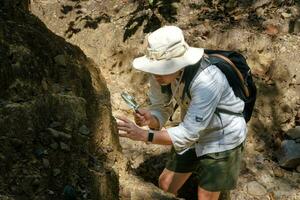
[(219, 155)]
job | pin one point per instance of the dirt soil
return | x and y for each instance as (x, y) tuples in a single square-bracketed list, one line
[(112, 33)]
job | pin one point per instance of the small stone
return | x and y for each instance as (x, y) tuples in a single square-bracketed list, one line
[(50, 192), (46, 163), (298, 169), (278, 172), (44, 85), (259, 161), (39, 153), (260, 3), (84, 130), (289, 154), (260, 11), (256, 189), (260, 147), (64, 146), (286, 15), (294, 133), (69, 192), (272, 29), (2, 102), (297, 26), (59, 134), (14, 189), (68, 127), (36, 182), (54, 146), (2, 158), (60, 60), (56, 172), (55, 124), (17, 142)]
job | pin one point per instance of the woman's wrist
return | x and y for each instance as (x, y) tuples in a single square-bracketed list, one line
[(144, 135)]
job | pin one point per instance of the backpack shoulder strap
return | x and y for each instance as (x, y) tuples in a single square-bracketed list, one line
[(191, 72), (245, 88)]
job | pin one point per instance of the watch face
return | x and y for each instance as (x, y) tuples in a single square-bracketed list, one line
[(150, 135)]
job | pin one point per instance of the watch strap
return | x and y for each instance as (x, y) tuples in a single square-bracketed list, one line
[(150, 135)]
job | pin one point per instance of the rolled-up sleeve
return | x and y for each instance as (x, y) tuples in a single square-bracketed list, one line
[(158, 101), (206, 92)]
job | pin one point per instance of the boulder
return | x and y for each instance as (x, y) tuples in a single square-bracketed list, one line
[(289, 154)]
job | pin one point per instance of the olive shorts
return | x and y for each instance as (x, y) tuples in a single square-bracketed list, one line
[(214, 171)]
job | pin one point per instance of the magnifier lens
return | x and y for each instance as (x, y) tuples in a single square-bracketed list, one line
[(129, 100)]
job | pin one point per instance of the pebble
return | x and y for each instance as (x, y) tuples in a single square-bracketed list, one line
[(64, 146), (260, 147), (44, 85), (272, 29), (55, 124), (46, 163), (286, 15), (298, 169), (69, 192), (39, 153), (50, 192), (260, 3), (54, 146), (36, 182), (256, 189), (17, 142), (278, 172), (297, 26), (59, 134), (84, 130), (56, 172), (14, 189), (294, 133), (60, 60), (2, 158)]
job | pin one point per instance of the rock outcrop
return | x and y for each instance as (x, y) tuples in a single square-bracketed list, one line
[(57, 136)]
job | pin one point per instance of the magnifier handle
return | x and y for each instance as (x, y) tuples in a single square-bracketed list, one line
[(137, 110)]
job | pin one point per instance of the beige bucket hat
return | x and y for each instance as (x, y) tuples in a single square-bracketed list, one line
[(167, 52)]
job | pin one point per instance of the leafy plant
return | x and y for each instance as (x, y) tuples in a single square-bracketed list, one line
[(152, 14)]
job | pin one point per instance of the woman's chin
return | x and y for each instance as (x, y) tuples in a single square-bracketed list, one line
[(163, 84)]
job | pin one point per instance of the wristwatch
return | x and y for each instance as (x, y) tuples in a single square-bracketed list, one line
[(150, 136)]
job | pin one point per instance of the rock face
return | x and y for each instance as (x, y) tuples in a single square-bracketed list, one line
[(56, 133), (257, 29)]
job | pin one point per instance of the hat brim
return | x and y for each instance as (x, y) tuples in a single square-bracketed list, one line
[(165, 67)]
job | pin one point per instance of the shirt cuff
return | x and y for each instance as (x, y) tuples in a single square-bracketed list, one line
[(180, 143)]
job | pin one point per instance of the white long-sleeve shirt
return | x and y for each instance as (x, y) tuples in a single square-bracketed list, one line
[(201, 128)]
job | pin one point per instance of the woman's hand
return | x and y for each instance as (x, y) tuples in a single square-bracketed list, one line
[(128, 129), (142, 117)]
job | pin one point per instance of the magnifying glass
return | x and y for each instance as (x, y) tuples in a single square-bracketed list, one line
[(130, 101)]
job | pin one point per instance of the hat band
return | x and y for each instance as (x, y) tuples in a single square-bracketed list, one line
[(175, 51)]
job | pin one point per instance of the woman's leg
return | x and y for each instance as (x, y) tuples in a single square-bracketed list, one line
[(207, 195), (171, 181)]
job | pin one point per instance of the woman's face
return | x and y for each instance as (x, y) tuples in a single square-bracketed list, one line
[(166, 79)]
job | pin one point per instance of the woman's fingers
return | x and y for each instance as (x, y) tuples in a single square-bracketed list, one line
[(124, 128), (122, 124), (123, 134), (124, 119), (137, 114)]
